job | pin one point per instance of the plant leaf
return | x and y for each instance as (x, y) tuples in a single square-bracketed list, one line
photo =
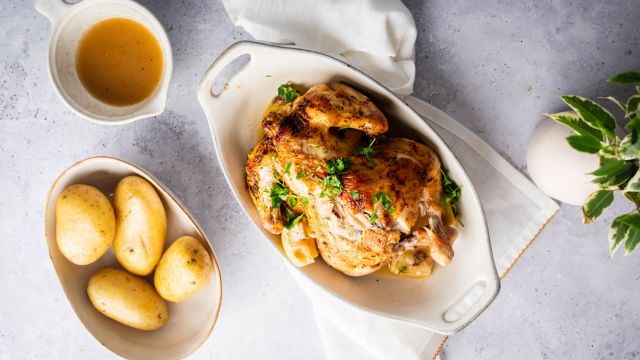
[(632, 105), (619, 178), (609, 167), (617, 232), (634, 197), (594, 114), (633, 126), (626, 78), (622, 105), (632, 237), (576, 124), (628, 149), (595, 205), (584, 143), (634, 183)]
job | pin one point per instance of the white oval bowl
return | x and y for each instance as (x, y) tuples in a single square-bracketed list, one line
[(447, 301), (190, 322), (68, 24)]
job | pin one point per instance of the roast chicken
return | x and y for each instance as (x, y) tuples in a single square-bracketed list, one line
[(324, 176)]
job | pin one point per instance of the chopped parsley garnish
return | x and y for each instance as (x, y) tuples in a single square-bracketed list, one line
[(332, 183), (287, 168), (355, 195), (287, 92), (385, 201), (292, 219), (279, 194), (367, 152), (302, 174), (452, 192), (338, 166)]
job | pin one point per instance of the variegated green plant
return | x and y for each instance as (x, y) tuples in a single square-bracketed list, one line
[(595, 133)]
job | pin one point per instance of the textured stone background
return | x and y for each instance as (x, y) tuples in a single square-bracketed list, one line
[(493, 65)]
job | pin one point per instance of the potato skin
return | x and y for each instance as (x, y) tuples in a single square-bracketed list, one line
[(185, 268), (127, 299), (141, 225), (85, 224)]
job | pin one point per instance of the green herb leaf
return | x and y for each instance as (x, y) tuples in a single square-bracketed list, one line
[(355, 194), (392, 208), (287, 92), (609, 167), (367, 151), (373, 217), (338, 166), (626, 78), (278, 194), (302, 174), (634, 183), (383, 198), (292, 219), (452, 192), (575, 123), (287, 168), (332, 183), (584, 143), (632, 105), (592, 113), (595, 204)]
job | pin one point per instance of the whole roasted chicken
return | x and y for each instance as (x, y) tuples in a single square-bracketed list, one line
[(326, 178)]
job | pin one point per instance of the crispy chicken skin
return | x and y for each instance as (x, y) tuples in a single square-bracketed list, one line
[(354, 231)]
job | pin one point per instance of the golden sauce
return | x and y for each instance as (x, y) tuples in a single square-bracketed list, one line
[(119, 61)]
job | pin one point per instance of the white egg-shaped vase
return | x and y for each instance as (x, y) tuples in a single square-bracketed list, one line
[(556, 168)]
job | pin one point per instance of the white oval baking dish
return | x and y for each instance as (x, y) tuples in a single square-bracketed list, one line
[(447, 301)]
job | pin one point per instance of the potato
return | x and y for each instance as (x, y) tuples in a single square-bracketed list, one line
[(85, 224), (141, 225), (127, 299), (185, 268)]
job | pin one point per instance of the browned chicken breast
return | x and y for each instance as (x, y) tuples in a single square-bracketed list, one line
[(368, 200)]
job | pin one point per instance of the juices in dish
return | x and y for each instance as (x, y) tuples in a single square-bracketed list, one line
[(119, 61)]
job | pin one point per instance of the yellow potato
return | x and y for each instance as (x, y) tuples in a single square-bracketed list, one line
[(141, 225), (185, 268), (127, 299), (85, 224)]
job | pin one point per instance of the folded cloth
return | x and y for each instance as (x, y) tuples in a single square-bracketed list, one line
[(378, 37)]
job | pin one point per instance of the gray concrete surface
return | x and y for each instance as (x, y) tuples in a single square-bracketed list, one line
[(493, 65)]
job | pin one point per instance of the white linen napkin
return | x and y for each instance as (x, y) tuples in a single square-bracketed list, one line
[(378, 37)]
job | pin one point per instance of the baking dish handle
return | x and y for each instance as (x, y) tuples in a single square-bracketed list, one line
[(52, 9), (255, 50)]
